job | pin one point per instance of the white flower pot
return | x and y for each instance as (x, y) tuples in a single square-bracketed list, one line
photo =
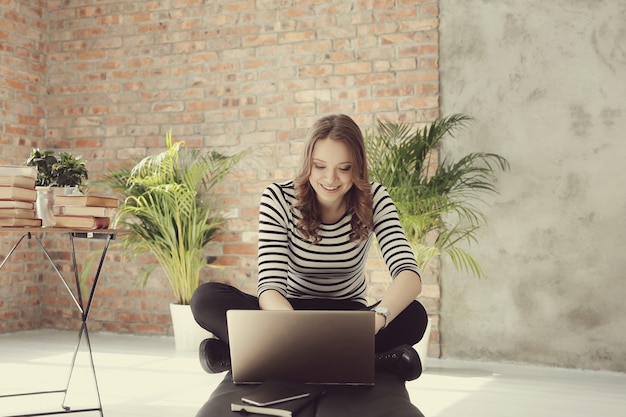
[(44, 206), (422, 346), (187, 332)]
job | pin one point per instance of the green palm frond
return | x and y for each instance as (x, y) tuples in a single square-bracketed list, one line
[(442, 197)]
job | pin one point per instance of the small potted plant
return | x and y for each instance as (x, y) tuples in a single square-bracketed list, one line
[(65, 171), (55, 175)]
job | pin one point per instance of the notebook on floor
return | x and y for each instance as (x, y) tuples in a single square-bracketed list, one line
[(318, 347)]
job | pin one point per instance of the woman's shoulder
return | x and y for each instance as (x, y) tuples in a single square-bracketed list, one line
[(285, 186), (284, 191), (378, 190)]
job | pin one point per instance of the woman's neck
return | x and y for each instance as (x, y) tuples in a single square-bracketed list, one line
[(332, 214)]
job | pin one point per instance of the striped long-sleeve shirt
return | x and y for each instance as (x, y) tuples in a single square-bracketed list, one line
[(334, 268)]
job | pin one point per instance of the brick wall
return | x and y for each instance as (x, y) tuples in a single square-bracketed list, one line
[(22, 90), (224, 75)]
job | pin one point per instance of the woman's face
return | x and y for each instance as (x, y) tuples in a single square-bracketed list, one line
[(331, 171)]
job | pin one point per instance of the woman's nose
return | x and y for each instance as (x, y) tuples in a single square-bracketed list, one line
[(331, 175)]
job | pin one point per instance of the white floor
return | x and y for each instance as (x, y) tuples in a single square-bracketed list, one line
[(145, 376)]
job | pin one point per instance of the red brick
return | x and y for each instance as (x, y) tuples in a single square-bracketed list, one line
[(90, 55), (15, 84)]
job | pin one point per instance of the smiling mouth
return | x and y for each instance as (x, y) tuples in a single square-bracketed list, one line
[(329, 188)]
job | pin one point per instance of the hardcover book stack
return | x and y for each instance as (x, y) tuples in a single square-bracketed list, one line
[(17, 196), (84, 211)]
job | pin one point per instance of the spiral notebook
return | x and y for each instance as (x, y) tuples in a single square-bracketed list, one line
[(315, 347)]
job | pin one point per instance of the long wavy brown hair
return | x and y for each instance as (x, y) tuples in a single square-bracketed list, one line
[(358, 200)]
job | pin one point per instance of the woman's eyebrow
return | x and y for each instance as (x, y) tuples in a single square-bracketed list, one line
[(340, 163)]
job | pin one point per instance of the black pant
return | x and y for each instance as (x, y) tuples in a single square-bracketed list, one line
[(211, 301)]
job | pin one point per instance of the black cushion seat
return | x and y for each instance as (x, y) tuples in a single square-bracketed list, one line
[(388, 397)]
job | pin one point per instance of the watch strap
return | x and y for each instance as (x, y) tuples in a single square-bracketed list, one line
[(383, 311)]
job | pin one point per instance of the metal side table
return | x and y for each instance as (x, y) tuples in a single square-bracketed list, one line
[(83, 305)]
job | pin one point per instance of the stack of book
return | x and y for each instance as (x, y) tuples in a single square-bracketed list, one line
[(18, 196), (84, 211)]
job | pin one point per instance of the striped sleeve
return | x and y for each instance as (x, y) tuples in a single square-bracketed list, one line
[(273, 241), (392, 240)]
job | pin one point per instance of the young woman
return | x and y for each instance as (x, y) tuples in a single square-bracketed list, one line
[(314, 236)]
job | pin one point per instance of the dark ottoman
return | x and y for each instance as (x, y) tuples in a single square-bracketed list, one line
[(388, 397)]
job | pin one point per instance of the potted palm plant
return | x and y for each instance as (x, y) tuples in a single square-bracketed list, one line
[(439, 203), (169, 210)]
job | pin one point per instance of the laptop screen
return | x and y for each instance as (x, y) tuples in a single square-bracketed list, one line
[(318, 347)]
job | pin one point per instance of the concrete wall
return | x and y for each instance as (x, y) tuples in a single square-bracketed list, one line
[(547, 82)]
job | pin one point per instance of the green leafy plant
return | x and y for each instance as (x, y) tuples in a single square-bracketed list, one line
[(439, 203), (170, 210), (65, 171)]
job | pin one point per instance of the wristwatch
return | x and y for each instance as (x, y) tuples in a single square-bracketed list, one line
[(383, 311)]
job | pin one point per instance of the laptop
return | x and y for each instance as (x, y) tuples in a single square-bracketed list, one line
[(310, 346)]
